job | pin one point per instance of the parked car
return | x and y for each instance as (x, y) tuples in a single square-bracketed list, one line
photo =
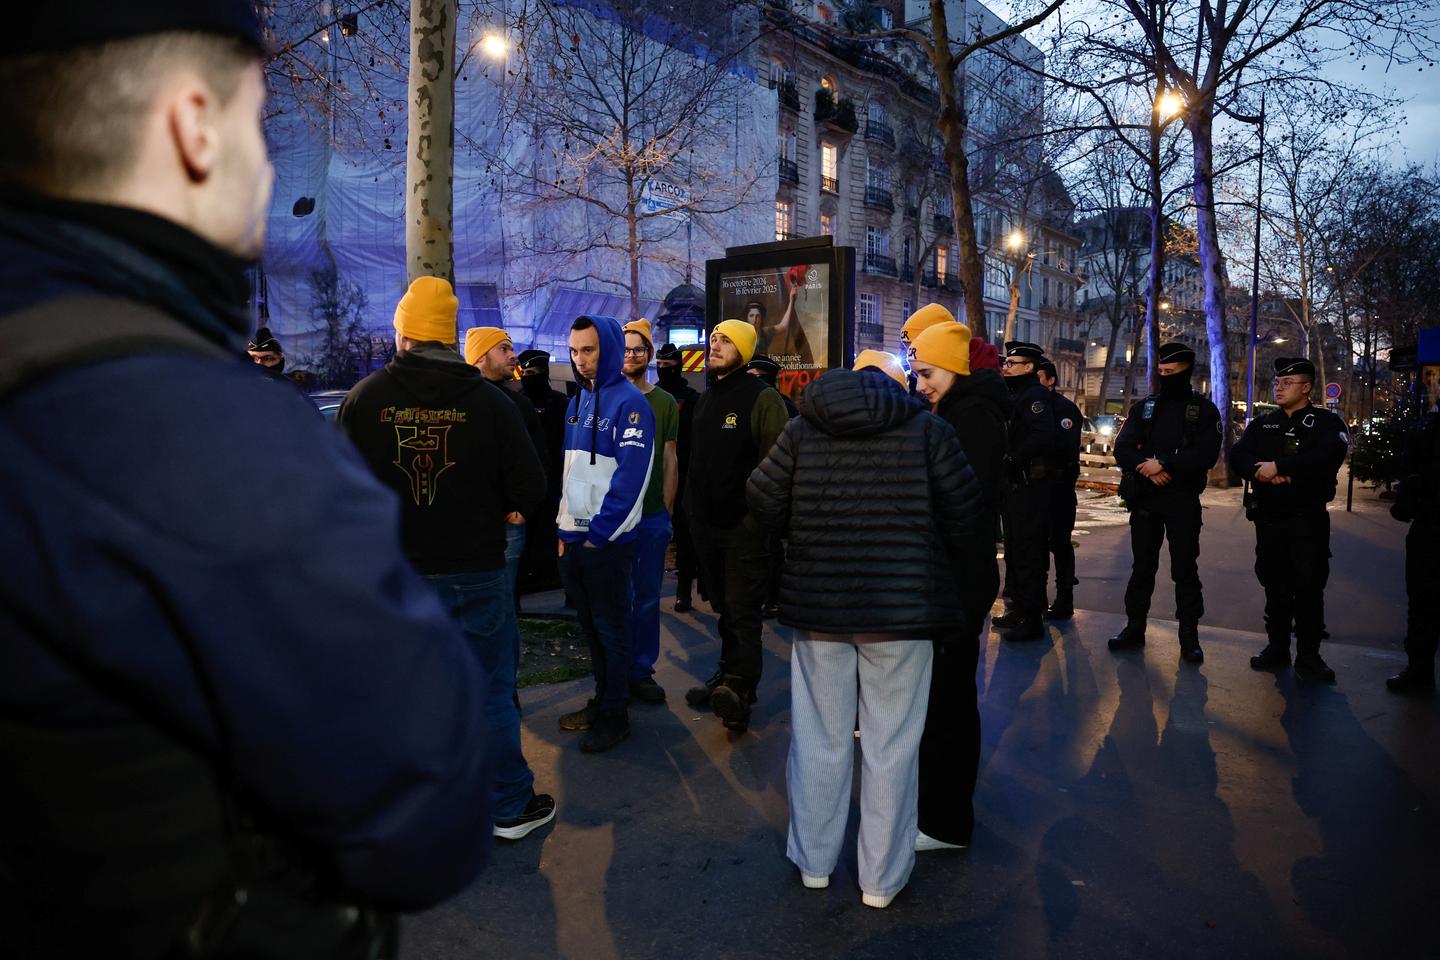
[(327, 402), (1098, 433)]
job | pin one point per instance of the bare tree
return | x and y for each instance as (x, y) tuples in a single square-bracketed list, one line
[(430, 141), (631, 128)]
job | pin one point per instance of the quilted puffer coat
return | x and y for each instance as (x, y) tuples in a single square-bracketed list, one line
[(880, 509)]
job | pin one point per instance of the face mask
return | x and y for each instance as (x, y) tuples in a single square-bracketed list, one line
[(1176, 383)]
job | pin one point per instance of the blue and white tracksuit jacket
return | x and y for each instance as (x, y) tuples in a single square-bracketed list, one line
[(609, 446)]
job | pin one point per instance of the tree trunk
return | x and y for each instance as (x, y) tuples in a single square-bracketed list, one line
[(1212, 273), (632, 237), (430, 141), (954, 123), (1348, 355), (1014, 308), (1157, 261), (1131, 364), (1115, 320)]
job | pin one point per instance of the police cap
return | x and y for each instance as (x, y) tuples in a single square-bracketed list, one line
[(67, 24), (1023, 350), (1175, 352), (669, 352), (532, 358), (1294, 367)]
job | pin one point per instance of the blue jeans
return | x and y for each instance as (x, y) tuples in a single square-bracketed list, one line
[(646, 574), (598, 579), (485, 608), (514, 547)]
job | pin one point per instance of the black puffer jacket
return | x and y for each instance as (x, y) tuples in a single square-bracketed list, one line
[(880, 507), (978, 407)]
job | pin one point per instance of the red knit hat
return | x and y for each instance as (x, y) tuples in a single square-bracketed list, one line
[(984, 356)]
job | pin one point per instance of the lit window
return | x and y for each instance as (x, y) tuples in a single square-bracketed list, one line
[(827, 225), (942, 257), (784, 219), (829, 161)]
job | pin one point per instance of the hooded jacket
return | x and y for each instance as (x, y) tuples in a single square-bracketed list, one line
[(167, 517), (453, 447), (609, 443), (880, 507), (978, 407)]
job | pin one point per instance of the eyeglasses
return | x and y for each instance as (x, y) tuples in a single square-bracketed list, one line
[(636, 351), (1288, 382), (1017, 363)]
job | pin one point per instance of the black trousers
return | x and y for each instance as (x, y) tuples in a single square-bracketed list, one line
[(1061, 526), (1147, 532), (1027, 544), (687, 567), (950, 745), (1423, 614), (1292, 560), (735, 562)]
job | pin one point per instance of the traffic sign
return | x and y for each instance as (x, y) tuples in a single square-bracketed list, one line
[(1332, 391)]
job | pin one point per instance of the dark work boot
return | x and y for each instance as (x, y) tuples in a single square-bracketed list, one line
[(1063, 608), (1416, 680), (699, 697), (1190, 650), (1309, 666), (1029, 627), (1273, 657), (682, 597), (1012, 617), (731, 700), (1129, 638), (607, 731)]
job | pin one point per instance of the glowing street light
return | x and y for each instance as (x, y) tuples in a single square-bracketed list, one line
[(493, 45), (1016, 240)]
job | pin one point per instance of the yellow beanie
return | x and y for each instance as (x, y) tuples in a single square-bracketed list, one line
[(739, 333), (945, 345), (642, 327), (884, 362), (481, 340), (927, 316), (427, 311)]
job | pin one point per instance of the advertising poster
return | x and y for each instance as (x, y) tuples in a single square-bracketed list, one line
[(789, 307), (1430, 387)]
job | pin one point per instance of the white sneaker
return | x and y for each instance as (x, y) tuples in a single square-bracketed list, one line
[(923, 843), (814, 883), (876, 901)]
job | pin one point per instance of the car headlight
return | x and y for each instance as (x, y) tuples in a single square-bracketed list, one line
[(1106, 431)]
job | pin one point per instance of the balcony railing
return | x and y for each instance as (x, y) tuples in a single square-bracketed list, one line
[(944, 224), (879, 198), (952, 281), (880, 132), (789, 171), (829, 185), (928, 277), (839, 115), (789, 95), (871, 331), (880, 264), (1064, 345)]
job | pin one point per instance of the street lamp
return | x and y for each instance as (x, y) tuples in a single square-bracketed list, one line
[(1169, 104), (493, 45), (1016, 240)]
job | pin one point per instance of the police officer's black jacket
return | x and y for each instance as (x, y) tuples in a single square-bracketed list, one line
[(978, 407), (1180, 429), (1068, 420), (1307, 446), (881, 509), (1032, 429), (1417, 497)]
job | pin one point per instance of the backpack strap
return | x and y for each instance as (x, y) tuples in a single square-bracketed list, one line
[(43, 339)]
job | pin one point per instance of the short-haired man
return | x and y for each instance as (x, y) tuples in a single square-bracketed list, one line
[(453, 449), (491, 351), (1033, 473), (1166, 449), (652, 536), (737, 421), (1292, 456), (173, 656), (609, 447), (1060, 525)]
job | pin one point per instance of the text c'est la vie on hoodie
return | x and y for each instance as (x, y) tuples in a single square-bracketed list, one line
[(609, 442)]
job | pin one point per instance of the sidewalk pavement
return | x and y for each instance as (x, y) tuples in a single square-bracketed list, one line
[(1128, 806)]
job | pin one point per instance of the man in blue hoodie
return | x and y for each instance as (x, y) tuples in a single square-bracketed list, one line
[(609, 445)]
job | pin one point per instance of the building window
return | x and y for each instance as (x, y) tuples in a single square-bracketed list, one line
[(870, 327), (828, 83), (872, 242), (827, 225), (906, 308), (787, 144), (887, 18), (784, 219), (942, 258), (829, 168), (997, 286), (875, 112), (1045, 292)]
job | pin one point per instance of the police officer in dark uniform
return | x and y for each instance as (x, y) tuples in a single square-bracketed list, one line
[(1061, 523), (1166, 450), (670, 377), (1030, 476), (1417, 502), (1291, 458)]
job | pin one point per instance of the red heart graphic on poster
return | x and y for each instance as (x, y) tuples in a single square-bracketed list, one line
[(795, 276)]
